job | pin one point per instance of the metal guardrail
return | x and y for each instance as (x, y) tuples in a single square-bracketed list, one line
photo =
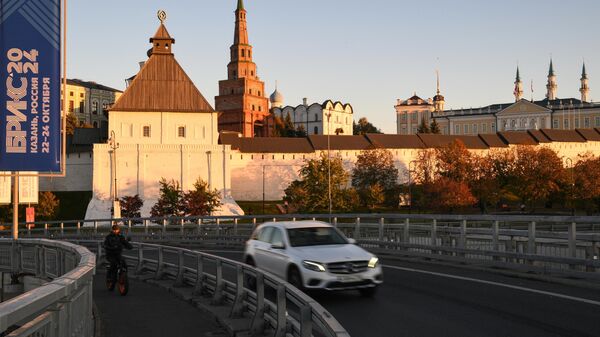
[(269, 303), (546, 244), (61, 307)]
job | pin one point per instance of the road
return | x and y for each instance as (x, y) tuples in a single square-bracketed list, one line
[(420, 299)]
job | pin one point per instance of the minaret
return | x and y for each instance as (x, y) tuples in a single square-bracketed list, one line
[(551, 86), (241, 100), (518, 92), (585, 89), (438, 99)]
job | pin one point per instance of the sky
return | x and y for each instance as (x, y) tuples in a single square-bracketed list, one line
[(366, 53)]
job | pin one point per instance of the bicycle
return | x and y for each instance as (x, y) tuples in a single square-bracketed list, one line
[(121, 281)]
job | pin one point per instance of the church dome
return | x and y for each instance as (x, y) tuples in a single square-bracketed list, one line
[(438, 98), (276, 97)]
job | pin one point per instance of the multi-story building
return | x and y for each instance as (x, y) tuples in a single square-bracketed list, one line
[(241, 100), (550, 113), (89, 102), (324, 118)]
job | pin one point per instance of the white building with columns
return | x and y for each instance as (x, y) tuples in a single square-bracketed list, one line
[(163, 128)]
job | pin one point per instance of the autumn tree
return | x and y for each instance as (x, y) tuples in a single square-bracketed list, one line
[(300, 131), (201, 200), (585, 183), (454, 162), (47, 206), (447, 195), (363, 127), (71, 123), (169, 201), (375, 177), (311, 192), (131, 206)]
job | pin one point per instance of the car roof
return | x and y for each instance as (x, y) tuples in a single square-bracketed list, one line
[(297, 224)]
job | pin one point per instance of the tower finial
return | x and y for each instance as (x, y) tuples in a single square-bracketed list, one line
[(437, 74), (240, 6), (518, 78), (551, 70), (162, 16)]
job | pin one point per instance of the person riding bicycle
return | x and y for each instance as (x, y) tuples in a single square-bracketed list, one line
[(113, 245)]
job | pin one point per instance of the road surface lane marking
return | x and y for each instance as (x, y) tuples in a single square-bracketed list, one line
[(498, 284)]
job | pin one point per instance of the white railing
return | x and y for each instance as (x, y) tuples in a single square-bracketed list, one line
[(268, 302), (61, 307), (545, 244)]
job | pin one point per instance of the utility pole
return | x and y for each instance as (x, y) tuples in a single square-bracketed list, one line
[(15, 227), (112, 143), (329, 160)]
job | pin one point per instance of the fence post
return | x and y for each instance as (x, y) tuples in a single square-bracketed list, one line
[(62, 228), (357, 229), (140, 262), (235, 226), (572, 240), (253, 223), (182, 229), (240, 294), (95, 227), (306, 321), (531, 239), (218, 226), (129, 223), (180, 269), (199, 286), (146, 226), (45, 229), (258, 321), (164, 225), (462, 243), (159, 263), (335, 222), (78, 228), (281, 329), (381, 224), (406, 231), (434, 232), (218, 295)]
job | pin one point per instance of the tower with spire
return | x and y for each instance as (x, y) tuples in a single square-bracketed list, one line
[(585, 89), (518, 92), (241, 99), (552, 85), (438, 99)]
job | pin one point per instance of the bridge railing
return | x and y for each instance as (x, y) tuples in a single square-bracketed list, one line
[(269, 303), (547, 244), (61, 307)]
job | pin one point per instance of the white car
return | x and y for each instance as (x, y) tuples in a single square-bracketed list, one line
[(313, 255)]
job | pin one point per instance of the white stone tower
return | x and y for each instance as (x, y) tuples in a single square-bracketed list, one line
[(551, 86), (518, 92), (585, 89)]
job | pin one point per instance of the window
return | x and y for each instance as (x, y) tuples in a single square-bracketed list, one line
[(576, 122), (250, 91), (252, 73), (146, 131), (181, 132), (466, 129), (586, 122), (95, 125), (71, 93), (483, 128), (457, 129), (566, 123), (94, 107), (532, 125), (71, 106), (232, 91), (81, 95), (316, 117), (555, 124), (543, 123), (264, 234), (597, 121), (243, 53), (316, 130), (104, 107), (253, 107), (404, 118), (81, 106), (277, 237), (493, 127), (475, 128)]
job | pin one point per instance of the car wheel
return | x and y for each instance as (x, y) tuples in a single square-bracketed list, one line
[(294, 278), (368, 292)]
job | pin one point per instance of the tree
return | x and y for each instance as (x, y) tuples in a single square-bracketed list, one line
[(201, 200), (363, 127), (47, 206), (454, 162), (435, 127), (170, 200), (71, 123), (310, 193), (278, 130), (288, 126), (130, 206), (423, 127), (300, 131), (447, 195), (585, 186), (375, 169)]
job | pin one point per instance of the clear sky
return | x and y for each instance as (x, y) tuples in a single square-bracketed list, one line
[(367, 53)]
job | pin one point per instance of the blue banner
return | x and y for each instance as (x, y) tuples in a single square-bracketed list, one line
[(30, 85)]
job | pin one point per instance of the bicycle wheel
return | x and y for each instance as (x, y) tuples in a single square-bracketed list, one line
[(123, 283)]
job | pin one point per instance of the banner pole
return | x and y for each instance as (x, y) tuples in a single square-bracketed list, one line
[(15, 227)]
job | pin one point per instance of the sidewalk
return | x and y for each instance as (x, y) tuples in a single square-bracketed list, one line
[(147, 311)]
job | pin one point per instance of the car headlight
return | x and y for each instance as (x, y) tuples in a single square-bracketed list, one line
[(373, 262), (314, 266)]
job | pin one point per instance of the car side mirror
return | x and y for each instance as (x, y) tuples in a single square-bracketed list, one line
[(352, 241), (278, 246)]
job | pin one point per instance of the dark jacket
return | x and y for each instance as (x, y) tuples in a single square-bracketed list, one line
[(114, 244)]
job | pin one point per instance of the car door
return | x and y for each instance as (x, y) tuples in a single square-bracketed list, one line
[(261, 246), (275, 255)]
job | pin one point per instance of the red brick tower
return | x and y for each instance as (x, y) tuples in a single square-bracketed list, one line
[(241, 99)]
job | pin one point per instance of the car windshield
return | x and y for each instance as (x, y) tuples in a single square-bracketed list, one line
[(315, 236)]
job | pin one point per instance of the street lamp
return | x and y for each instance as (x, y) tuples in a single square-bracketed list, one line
[(112, 143), (569, 163), (410, 185), (329, 158)]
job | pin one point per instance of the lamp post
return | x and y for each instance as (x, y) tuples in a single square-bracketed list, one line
[(112, 143), (569, 163), (410, 185), (329, 159)]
